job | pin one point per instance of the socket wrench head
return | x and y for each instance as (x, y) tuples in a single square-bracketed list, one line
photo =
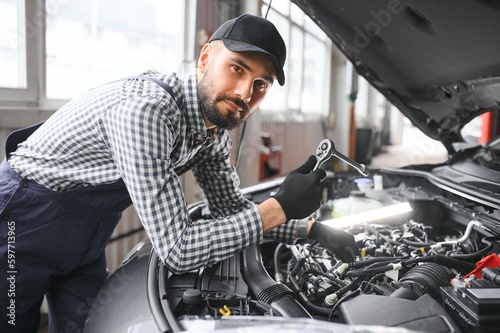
[(326, 149)]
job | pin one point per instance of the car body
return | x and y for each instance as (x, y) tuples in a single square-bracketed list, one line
[(430, 268)]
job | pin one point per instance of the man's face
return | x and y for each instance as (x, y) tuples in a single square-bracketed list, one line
[(232, 85)]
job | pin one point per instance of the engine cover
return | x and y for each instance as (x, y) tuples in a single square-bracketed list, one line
[(424, 314)]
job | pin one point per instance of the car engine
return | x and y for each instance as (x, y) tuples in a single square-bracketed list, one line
[(433, 270)]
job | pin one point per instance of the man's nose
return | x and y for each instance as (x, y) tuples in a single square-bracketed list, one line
[(244, 90)]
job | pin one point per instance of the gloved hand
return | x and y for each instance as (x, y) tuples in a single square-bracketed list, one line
[(301, 192), (338, 241)]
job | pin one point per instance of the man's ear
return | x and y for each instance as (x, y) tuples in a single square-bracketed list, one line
[(204, 58)]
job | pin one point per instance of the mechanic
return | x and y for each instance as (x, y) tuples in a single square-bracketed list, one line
[(67, 181)]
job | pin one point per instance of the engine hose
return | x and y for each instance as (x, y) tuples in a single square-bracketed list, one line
[(339, 283), (318, 310), (367, 262), (416, 244), (491, 275), (372, 281), (374, 268), (277, 252), (370, 271), (460, 265), (382, 267), (412, 261), (277, 295), (335, 297), (480, 253), (423, 279), (298, 266), (344, 298), (353, 285)]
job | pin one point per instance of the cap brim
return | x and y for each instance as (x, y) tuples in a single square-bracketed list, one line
[(239, 46)]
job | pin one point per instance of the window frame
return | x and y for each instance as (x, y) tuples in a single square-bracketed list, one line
[(33, 35), (304, 30), (34, 96)]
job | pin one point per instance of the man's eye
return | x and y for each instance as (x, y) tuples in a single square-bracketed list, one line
[(261, 84), (236, 69)]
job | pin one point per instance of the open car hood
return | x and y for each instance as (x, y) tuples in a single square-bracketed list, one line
[(437, 61)]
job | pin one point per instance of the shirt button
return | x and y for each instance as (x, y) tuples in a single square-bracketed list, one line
[(23, 184)]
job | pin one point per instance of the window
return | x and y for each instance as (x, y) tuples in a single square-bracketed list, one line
[(54, 50), (91, 42), (276, 99), (12, 50), (306, 68)]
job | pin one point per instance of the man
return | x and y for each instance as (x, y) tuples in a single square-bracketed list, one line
[(64, 185)]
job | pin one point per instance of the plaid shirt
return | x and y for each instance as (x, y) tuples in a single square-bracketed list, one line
[(134, 130)]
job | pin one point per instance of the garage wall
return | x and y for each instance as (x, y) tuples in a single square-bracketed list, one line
[(297, 139)]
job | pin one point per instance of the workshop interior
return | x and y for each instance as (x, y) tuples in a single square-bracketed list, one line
[(398, 101)]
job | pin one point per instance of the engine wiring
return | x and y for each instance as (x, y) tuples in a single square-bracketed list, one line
[(389, 254)]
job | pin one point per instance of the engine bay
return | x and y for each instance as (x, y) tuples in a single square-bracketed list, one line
[(432, 269)]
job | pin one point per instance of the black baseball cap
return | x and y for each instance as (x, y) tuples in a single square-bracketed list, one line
[(249, 33)]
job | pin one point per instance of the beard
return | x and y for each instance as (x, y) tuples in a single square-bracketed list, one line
[(227, 121)]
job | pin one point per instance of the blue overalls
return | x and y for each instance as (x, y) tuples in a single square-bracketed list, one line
[(52, 244)]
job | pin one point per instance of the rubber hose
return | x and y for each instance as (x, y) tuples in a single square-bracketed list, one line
[(425, 278), (277, 295)]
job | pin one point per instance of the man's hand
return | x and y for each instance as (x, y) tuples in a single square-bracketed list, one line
[(301, 192), (338, 241)]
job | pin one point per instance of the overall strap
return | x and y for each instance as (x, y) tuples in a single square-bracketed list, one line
[(159, 82)]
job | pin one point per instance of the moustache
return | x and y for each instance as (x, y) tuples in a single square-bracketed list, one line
[(235, 100)]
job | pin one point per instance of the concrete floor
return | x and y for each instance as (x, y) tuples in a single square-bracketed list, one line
[(415, 148)]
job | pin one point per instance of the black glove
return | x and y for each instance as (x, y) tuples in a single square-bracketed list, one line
[(338, 241), (301, 192)]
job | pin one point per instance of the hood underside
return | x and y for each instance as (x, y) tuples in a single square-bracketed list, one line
[(437, 61)]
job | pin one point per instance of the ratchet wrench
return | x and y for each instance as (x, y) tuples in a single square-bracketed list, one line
[(326, 149), (323, 152)]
